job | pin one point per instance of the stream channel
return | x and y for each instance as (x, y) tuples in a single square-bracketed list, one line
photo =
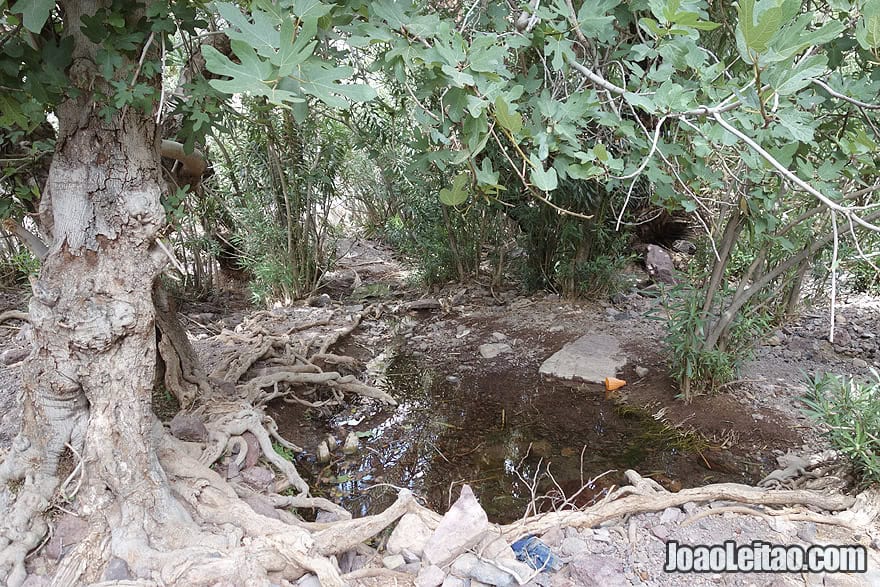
[(511, 436)]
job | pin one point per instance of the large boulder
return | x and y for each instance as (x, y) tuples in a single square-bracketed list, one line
[(189, 427), (659, 265)]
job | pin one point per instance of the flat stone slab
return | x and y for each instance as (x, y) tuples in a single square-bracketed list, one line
[(591, 358), (493, 349)]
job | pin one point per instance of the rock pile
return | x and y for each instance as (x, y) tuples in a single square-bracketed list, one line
[(463, 550), (855, 337)]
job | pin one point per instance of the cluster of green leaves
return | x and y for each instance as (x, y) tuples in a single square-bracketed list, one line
[(397, 200), (122, 34), (860, 274), (863, 278), (572, 255), (421, 235), (17, 266), (24, 159), (600, 268), (280, 178), (850, 409), (277, 59)]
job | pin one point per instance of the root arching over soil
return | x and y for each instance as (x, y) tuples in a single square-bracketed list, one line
[(189, 524)]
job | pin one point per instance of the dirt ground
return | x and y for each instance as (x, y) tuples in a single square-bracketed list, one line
[(748, 431)]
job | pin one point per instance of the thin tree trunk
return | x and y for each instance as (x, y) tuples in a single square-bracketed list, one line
[(738, 302), (728, 238), (794, 294), (453, 245)]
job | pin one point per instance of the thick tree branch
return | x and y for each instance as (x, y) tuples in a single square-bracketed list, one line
[(193, 164), (730, 313), (29, 239)]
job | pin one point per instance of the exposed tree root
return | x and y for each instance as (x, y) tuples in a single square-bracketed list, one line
[(296, 360), (645, 495), (13, 315), (183, 376), (249, 420), (185, 524), (769, 515), (240, 361), (346, 383)]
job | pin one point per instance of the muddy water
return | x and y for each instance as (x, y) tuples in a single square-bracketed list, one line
[(510, 437)]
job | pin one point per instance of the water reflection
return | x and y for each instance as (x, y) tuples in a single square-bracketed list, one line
[(510, 437)]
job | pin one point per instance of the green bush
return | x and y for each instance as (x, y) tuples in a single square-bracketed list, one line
[(594, 266), (705, 369), (17, 268), (425, 240), (851, 411)]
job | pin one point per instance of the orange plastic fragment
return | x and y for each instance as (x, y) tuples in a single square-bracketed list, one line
[(612, 383)]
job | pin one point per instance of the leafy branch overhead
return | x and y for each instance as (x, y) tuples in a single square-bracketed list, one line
[(764, 108), (757, 111), (276, 57)]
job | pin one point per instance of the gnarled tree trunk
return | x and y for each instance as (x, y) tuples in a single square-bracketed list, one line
[(86, 398), (88, 382)]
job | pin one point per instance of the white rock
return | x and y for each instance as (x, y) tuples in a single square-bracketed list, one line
[(493, 547), (410, 534), (323, 452), (590, 358), (493, 349), (661, 532), (309, 581), (520, 571), (393, 561), (573, 546), (463, 526), (471, 566), (431, 576), (409, 556), (670, 516), (602, 535), (351, 444), (553, 537), (464, 564), (411, 568)]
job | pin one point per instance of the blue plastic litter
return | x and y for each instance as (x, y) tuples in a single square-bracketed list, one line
[(536, 554)]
